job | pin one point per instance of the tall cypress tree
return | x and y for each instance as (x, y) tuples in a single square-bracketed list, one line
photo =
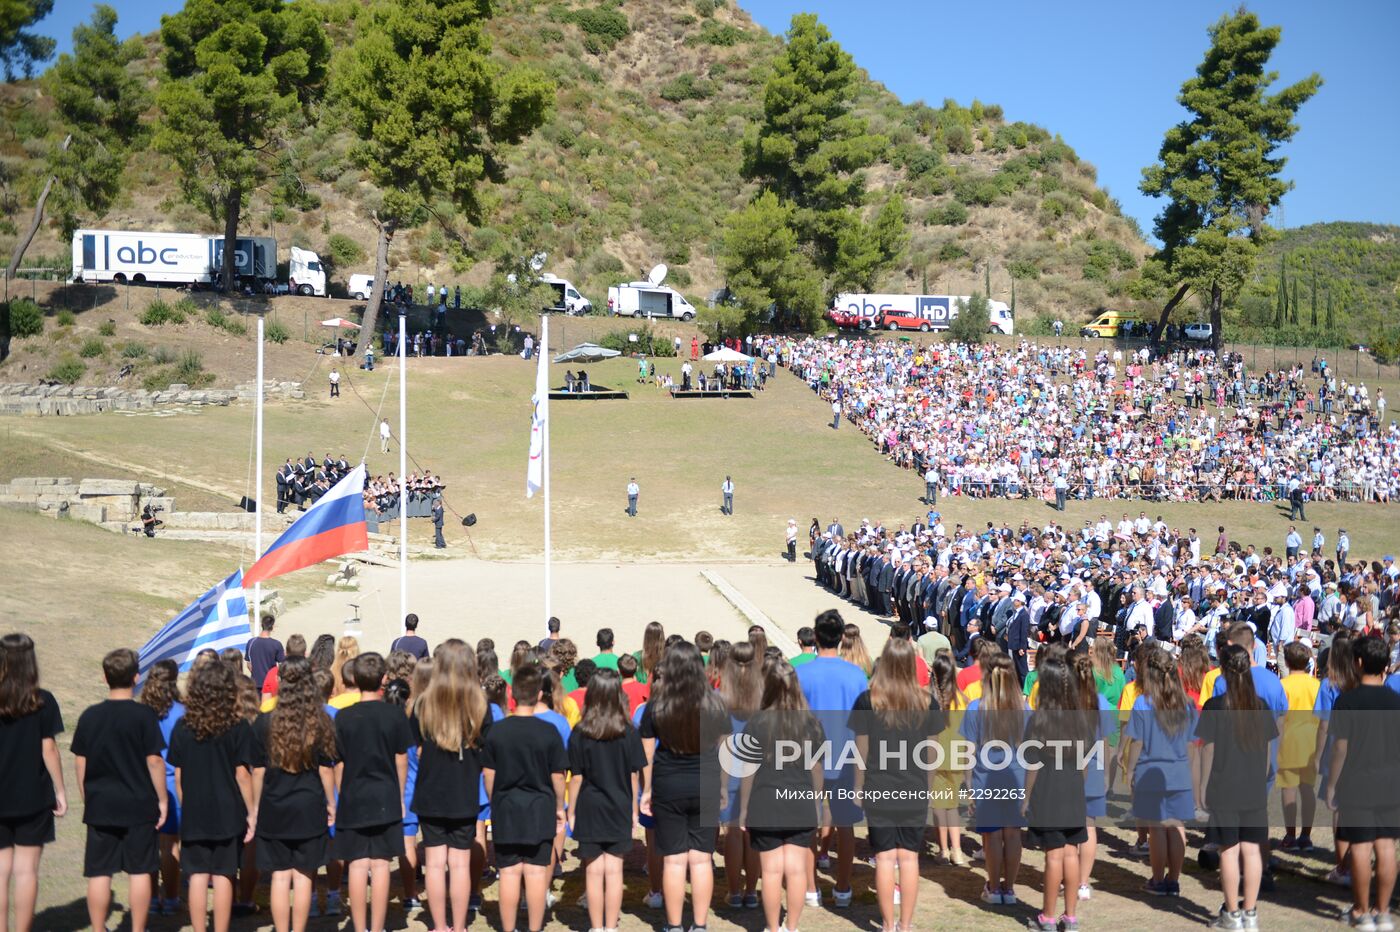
[(1293, 302), (1330, 320), (1313, 297)]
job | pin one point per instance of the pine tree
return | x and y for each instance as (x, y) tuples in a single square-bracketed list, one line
[(1219, 169), (987, 279), (1013, 298), (1293, 302), (1313, 297), (1281, 307), (1330, 321), (925, 284)]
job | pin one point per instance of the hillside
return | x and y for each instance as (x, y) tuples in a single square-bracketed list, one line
[(639, 163), (1357, 264)]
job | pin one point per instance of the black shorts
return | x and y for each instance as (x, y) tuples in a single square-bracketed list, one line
[(121, 849), (375, 842), (1364, 825), (771, 839), (221, 858), (537, 854), (458, 834), (30, 831), (620, 848), (896, 837), (1230, 827), (681, 826), (303, 855), (1048, 839)]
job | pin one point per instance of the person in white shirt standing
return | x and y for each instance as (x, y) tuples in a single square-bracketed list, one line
[(727, 489), (836, 415), (931, 485), (335, 383), (633, 490), (384, 435), (792, 540)]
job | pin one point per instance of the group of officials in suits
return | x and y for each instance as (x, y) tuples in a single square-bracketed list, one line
[(301, 482)]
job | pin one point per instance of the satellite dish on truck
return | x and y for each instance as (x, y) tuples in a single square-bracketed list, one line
[(658, 274)]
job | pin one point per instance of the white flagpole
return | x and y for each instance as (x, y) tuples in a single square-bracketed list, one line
[(544, 402), (403, 472), (258, 482)]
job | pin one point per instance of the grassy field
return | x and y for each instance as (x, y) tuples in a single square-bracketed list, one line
[(81, 590)]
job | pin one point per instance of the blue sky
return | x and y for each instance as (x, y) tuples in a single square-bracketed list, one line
[(1104, 74)]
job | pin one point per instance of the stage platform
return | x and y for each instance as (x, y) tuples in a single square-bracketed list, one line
[(712, 393), (596, 393)]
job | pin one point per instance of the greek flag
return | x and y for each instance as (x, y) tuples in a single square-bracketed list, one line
[(215, 620)]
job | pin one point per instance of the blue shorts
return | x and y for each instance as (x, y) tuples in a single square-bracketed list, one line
[(171, 826), (410, 826), (1178, 805)]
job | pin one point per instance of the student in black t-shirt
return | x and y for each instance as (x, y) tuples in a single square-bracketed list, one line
[(606, 760), (781, 823), (30, 773), (1235, 730), (116, 751), (372, 741), (895, 712), (294, 786), (410, 641), (450, 720), (1361, 784), (682, 726), (1055, 808), (524, 761), (211, 749)]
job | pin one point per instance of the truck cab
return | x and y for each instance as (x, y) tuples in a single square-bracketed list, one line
[(305, 276)]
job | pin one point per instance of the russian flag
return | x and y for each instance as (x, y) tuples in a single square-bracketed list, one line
[(332, 526)]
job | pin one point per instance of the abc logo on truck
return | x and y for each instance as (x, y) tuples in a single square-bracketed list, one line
[(141, 254)]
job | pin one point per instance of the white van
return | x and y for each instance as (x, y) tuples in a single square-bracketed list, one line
[(361, 286), (566, 296), (649, 298)]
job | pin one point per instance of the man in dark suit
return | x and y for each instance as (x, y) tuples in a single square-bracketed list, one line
[(1163, 620), (887, 570), (284, 475), (897, 585), (835, 529), (1017, 634), (438, 542)]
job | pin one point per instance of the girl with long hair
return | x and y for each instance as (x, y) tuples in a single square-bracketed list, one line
[(997, 777), (401, 670), (294, 785), (895, 712), (1342, 677), (781, 826), (1096, 704), (211, 749), (681, 729), (322, 653), (1055, 792), (450, 718), (853, 650), (564, 653), (1235, 751), (948, 779), (31, 774), (741, 680), (719, 657), (1160, 758), (161, 693), (346, 650), (606, 760), (653, 645)]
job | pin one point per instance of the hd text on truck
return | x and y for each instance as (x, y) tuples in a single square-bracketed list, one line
[(922, 312)]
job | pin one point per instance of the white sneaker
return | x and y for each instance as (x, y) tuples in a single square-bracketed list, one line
[(653, 900), (841, 899), (1086, 892), (1008, 898), (991, 896), (814, 898), (1384, 923)]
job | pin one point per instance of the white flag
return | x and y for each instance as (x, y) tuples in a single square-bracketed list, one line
[(534, 474)]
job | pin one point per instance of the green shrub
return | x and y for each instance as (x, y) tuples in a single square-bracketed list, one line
[(64, 318), (950, 214), (277, 333), (602, 28), (712, 32), (133, 350), (163, 356), (686, 87), (91, 347), (25, 318), (1023, 269), (191, 367), (157, 381), (342, 251), (185, 307), (158, 313), (706, 8), (68, 370), (216, 318), (952, 250), (108, 328)]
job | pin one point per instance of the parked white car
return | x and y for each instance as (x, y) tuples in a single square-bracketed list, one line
[(1199, 331), (361, 286)]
